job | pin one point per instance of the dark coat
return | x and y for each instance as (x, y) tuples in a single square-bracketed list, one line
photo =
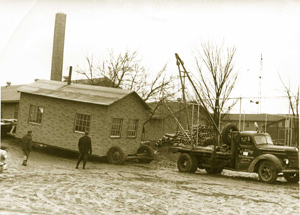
[(27, 143), (85, 144)]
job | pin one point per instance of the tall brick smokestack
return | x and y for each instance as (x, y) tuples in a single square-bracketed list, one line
[(58, 47)]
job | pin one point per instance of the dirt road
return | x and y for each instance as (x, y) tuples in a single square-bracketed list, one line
[(51, 185)]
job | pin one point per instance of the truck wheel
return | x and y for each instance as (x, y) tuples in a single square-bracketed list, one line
[(116, 155), (210, 170), (291, 177), (227, 132), (267, 172), (187, 163), (147, 153)]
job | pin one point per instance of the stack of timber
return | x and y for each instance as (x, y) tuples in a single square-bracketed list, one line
[(206, 136)]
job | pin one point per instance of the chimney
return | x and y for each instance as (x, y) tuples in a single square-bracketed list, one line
[(8, 84), (70, 75), (58, 47)]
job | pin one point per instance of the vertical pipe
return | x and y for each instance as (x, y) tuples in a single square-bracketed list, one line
[(244, 121), (285, 132), (182, 78), (240, 113), (193, 107), (292, 121), (198, 124), (219, 126), (266, 120), (288, 131)]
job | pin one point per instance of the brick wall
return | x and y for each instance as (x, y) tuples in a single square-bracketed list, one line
[(57, 127)]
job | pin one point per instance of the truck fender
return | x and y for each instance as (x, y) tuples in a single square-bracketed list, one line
[(254, 165)]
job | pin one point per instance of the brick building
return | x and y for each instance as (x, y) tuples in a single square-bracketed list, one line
[(10, 101), (58, 114), (164, 122)]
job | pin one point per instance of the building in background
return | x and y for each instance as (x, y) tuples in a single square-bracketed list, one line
[(10, 101), (163, 121), (278, 126)]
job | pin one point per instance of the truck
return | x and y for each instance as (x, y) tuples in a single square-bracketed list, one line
[(247, 151)]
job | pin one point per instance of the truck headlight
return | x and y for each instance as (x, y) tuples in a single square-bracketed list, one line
[(286, 161)]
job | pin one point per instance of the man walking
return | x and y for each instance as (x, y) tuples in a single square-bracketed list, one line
[(85, 148), (26, 146)]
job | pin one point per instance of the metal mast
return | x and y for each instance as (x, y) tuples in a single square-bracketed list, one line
[(260, 77)]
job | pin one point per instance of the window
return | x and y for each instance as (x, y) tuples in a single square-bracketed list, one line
[(35, 114), (132, 128), (247, 124), (263, 139), (116, 127), (82, 122), (16, 109), (245, 141), (2, 107)]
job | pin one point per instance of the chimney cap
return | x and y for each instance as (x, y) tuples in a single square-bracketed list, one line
[(8, 83)]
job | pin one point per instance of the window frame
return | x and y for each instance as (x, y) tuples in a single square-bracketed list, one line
[(116, 130), (132, 123), (85, 127), (16, 111), (36, 120)]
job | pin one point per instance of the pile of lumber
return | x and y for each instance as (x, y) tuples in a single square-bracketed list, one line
[(206, 136)]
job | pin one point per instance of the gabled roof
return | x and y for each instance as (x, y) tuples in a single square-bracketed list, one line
[(10, 94), (252, 117), (78, 92)]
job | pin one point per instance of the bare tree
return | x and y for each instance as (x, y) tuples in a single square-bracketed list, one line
[(125, 70), (216, 77), (294, 107)]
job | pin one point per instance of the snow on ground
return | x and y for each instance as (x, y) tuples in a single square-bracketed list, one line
[(51, 185)]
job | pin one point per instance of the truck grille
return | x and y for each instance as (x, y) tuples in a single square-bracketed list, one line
[(293, 159)]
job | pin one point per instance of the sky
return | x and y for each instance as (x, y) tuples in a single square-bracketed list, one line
[(158, 30)]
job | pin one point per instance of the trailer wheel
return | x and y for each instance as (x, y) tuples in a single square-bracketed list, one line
[(267, 172), (147, 153), (116, 155), (187, 163), (291, 177), (227, 132), (210, 170)]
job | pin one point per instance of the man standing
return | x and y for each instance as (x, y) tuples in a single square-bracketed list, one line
[(85, 148), (26, 146)]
